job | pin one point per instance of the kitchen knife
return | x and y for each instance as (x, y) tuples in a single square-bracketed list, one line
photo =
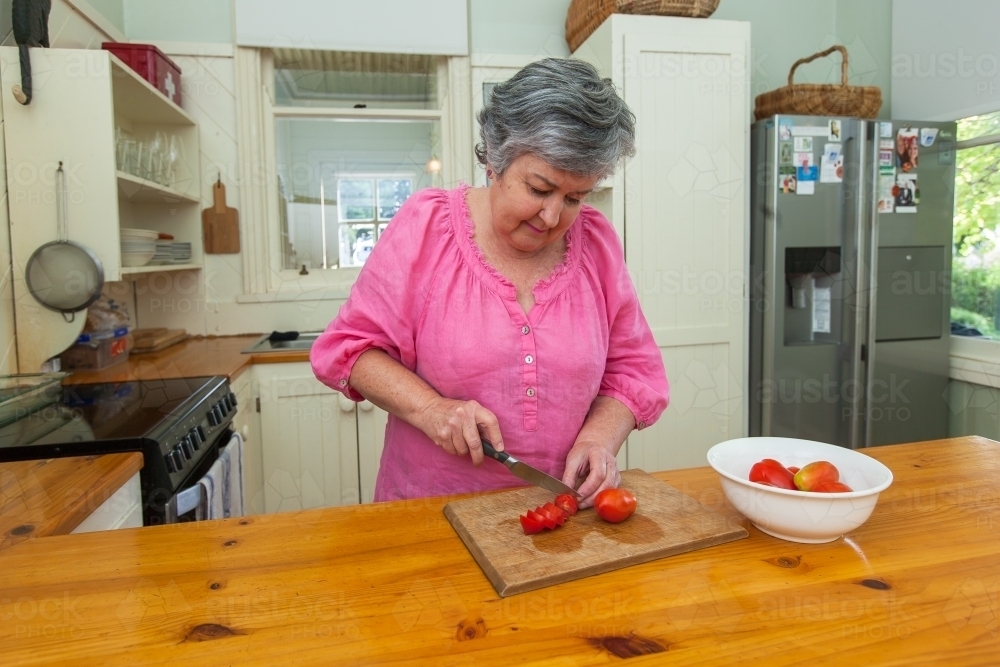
[(527, 473)]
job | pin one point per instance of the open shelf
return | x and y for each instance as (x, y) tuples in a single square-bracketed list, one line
[(158, 268), (141, 191), (136, 99)]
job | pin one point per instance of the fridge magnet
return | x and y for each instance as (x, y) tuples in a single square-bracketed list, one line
[(785, 129), (946, 153), (831, 168), (806, 177), (786, 179), (927, 136), (803, 144), (907, 150), (810, 131), (906, 193), (785, 152), (885, 157), (886, 200), (885, 130), (806, 188), (803, 160), (833, 134)]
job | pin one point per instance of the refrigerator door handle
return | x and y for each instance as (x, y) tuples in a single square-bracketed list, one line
[(871, 219), (862, 305)]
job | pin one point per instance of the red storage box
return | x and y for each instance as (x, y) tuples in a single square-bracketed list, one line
[(151, 65)]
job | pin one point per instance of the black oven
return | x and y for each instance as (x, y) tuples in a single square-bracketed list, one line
[(179, 426)]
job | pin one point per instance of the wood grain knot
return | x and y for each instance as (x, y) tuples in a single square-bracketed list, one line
[(789, 562), (209, 631), (876, 584), (215, 585), (628, 647), (230, 543), (246, 522), (26, 529), (471, 629)]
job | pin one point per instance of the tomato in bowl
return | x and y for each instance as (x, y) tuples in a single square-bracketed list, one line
[(799, 516)]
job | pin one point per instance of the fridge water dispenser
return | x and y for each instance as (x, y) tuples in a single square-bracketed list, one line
[(813, 295)]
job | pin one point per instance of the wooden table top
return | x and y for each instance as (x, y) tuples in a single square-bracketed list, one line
[(194, 357), (392, 583), (54, 496)]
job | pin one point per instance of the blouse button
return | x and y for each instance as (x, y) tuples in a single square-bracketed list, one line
[(528, 359), (525, 329), (343, 382), (642, 424), (530, 392)]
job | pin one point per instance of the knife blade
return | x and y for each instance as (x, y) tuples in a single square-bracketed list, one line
[(527, 473)]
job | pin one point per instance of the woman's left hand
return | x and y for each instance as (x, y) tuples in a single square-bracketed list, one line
[(597, 464)]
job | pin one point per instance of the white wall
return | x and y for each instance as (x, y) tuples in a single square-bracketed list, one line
[(945, 58), (179, 20)]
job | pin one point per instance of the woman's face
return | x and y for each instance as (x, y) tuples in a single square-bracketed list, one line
[(534, 204)]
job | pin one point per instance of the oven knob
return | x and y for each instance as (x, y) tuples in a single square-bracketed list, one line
[(213, 420), (232, 399), (219, 414), (224, 406), (180, 454), (195, 439), (171, 465), (187, 447), (178, 460), (201, 433)]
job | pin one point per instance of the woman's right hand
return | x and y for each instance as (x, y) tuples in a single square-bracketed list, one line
[(455, 426)]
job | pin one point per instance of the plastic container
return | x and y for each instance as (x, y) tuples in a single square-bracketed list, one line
[(150, 63), (96, 351)]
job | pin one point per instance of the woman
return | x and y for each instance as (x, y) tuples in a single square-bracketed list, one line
[(506, 312)]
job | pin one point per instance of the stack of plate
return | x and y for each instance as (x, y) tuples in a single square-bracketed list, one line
[(138, 246), (181, 252)]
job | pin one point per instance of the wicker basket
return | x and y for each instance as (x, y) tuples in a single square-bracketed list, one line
[(585, 16), (827, 99)]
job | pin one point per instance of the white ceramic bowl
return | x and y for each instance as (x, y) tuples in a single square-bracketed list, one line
[(136, 258), (130, 233), (799, 516)]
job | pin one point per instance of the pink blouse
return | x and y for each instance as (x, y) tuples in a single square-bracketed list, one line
[(428, 298)]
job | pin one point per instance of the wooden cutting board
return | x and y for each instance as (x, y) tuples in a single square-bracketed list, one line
[(666, 522), (157, 341), (221, 224)]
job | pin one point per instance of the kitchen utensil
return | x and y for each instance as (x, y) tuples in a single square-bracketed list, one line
[(666, 522), (799, 516), (527, 473), (63, 275), (221, 224)]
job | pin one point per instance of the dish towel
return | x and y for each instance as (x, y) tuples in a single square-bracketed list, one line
[(233, 490), (212, 485)]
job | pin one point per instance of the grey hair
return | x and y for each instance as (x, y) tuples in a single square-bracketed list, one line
[(562, 111)]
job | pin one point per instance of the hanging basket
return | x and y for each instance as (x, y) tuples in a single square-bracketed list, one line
[(585, 16), (826, 99)]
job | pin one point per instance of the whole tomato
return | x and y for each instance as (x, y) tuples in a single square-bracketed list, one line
[(615, 505), (772, 473), (815, 473)]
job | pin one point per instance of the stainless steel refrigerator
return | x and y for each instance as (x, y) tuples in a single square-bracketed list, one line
[(851, 244)]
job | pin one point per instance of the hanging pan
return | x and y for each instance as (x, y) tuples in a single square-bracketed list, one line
[(63, 275)]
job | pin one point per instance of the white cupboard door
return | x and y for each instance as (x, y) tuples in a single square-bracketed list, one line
[(253, 456), (686, 232), (371, 437), (310, 441)]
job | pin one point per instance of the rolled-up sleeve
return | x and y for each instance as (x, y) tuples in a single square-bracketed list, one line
[(634, 373), (387, 299)]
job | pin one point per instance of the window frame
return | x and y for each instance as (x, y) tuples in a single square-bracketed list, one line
[(975, 359), (264, 278)]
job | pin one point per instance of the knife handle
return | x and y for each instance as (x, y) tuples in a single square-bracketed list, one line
[(492, 453)]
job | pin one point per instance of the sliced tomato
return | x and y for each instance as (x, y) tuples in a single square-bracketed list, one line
[(542, 519), (553, 512), (567, 503), (530, 526)]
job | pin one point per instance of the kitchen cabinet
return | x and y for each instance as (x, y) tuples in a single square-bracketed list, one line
[(681, 208), (309, 440), (247, 423), (82, 98), (317, 447), (123, 509)]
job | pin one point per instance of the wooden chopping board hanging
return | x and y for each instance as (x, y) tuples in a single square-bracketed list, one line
[(666, 522), (221, 224)]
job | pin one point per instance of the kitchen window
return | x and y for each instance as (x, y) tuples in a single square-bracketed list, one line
[(975, 297), (346, 138)]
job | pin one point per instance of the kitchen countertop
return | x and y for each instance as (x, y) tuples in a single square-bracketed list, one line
[(54, 496), (213, 355), (391, 582)]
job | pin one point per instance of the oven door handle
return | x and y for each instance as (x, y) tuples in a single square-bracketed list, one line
[(185, 501)]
